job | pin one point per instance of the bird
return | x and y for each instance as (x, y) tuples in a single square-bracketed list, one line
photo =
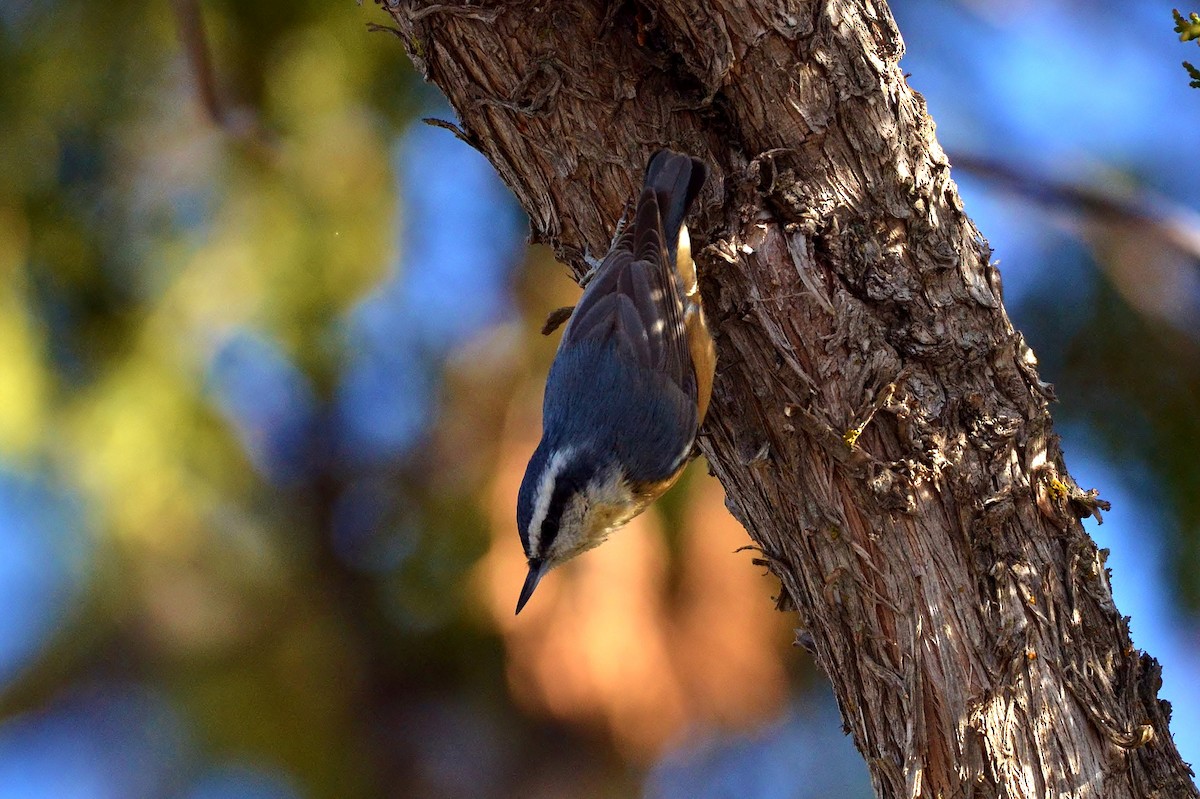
[(630, 383)]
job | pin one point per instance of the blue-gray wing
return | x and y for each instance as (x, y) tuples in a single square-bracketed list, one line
[(623, 375), (606, 402), (633, 302)]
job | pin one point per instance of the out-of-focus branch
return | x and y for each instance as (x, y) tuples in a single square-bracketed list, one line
[(1172, 223), (195, 46), (240, 123)]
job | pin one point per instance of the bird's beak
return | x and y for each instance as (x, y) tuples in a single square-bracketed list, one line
[(536, 569)]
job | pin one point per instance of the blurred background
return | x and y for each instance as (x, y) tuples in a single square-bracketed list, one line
[(266, 396)]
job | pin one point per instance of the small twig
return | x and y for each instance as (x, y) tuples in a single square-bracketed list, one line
[(375, 27), (458, 132)]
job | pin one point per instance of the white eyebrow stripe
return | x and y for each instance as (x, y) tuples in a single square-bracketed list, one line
[(545, 491)]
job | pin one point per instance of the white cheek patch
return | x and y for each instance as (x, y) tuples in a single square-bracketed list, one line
[(572, 531), (588, 520), (545, 490)]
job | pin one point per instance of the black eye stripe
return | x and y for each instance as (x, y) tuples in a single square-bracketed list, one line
[(565, 487)]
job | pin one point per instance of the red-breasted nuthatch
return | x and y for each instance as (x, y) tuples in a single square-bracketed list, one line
[(630, 383)]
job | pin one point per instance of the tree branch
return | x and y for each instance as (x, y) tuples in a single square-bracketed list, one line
[(938, 563)]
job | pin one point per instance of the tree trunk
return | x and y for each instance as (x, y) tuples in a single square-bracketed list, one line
[(937, 561)]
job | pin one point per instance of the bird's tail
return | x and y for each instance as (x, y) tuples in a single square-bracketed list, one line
[(676, 179)]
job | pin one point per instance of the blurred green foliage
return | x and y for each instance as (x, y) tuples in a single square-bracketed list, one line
[(1188, 30), (135, 237)]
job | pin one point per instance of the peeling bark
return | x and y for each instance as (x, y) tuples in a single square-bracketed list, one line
[(937, 562)]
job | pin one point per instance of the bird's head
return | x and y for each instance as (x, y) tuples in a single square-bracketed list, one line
[(570, 500)]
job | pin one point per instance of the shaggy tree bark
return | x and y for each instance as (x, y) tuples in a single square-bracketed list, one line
[(879, 426)]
